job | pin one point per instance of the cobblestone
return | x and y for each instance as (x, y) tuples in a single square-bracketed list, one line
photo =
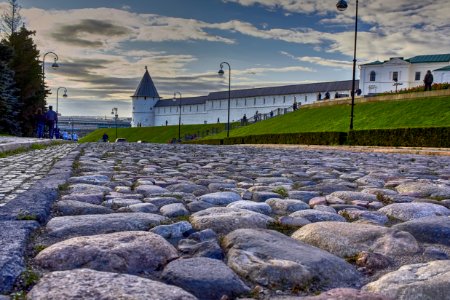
[(341, 183), (19, 172)]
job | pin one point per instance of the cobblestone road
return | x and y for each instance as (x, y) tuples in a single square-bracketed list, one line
[(19, 172)]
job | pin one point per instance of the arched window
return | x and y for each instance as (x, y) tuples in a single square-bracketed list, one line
[(373, 76)]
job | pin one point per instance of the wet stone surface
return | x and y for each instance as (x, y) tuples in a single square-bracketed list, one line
[(264, 223)]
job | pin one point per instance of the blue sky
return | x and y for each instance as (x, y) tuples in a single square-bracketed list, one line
[(104, 45)]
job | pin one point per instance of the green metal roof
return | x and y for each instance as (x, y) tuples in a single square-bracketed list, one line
[(429, 58), (447, 68)]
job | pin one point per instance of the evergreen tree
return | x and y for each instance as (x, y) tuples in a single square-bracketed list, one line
[(9, 104), (26, 65)]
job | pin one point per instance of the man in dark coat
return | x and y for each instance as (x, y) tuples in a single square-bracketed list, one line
[(428, 80), (51, 118)]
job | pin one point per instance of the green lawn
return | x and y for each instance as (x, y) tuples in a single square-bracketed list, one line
[(428, 112), (160, 134)]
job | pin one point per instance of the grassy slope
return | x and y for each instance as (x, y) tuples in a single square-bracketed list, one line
[(429, 112), (161, 134)]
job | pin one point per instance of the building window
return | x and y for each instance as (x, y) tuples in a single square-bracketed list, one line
[(417, 76), (197, 108), (373, 76), (254, 101), (395, 76), (284, 99), (237, 103), (264, 100), (245, 101), (220, 103), (273, 100), (306, 98)]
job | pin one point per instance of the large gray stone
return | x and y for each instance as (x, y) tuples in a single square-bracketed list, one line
[(349, 196), (95, 198), (72, 208), (174, 210), (270, 258), (201, 244), (349, 239), (258, 207), (410, 211), (190, 188), (314, 215), (71, 226), (225, 219), (220, 198), (435, 230), (83, 188), (131, 252), (424, 189), (286, 206), (176, 230), (90, 284), (151, 190), (206, 278), (426, 281), (90, 179)]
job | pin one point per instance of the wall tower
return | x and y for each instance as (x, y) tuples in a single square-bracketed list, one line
[(144, 101)]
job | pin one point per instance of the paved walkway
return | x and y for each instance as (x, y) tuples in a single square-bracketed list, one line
[(9, 143), (19, 172)]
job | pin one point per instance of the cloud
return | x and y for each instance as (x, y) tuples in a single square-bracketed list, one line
[(85, 31), (341, 64)]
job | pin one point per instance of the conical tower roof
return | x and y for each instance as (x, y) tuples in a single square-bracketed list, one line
[(146, 87)]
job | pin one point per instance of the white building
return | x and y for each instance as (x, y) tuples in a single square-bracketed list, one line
[(378, 77), (150, 110)]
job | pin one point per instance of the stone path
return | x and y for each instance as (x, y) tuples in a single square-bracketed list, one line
[(19, 172), (206, 222)]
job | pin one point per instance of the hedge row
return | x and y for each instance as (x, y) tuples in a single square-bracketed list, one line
[(405, 137)]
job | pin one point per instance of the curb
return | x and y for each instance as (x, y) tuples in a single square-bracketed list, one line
[(20, 218)]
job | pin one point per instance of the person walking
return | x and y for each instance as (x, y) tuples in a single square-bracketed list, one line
[(105, 137), (51, 117), (294, 106), (40, 121), (428, 80)]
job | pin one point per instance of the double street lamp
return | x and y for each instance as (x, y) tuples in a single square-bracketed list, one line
[(57, 100), (341, 6), (115, 112), (221, 73), (179, 117)]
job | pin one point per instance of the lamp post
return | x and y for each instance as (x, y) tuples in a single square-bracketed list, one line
[(116, 116), (179, 117), (54, 65), (341, 6), (221, 73), (57, 100)]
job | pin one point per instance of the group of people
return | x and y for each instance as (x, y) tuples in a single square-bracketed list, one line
[(49, 121)]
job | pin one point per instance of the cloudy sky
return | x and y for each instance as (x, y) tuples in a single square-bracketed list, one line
[(103, 46)]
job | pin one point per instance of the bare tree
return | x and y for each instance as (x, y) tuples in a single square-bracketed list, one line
[(11, 19)]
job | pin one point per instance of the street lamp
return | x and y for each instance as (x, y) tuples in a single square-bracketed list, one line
[(57, 101), (179, 118), (54, 65), (116, 116), (221, 73), (341, 6)]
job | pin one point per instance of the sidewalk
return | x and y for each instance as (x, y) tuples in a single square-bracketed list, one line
[(10, 143)]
